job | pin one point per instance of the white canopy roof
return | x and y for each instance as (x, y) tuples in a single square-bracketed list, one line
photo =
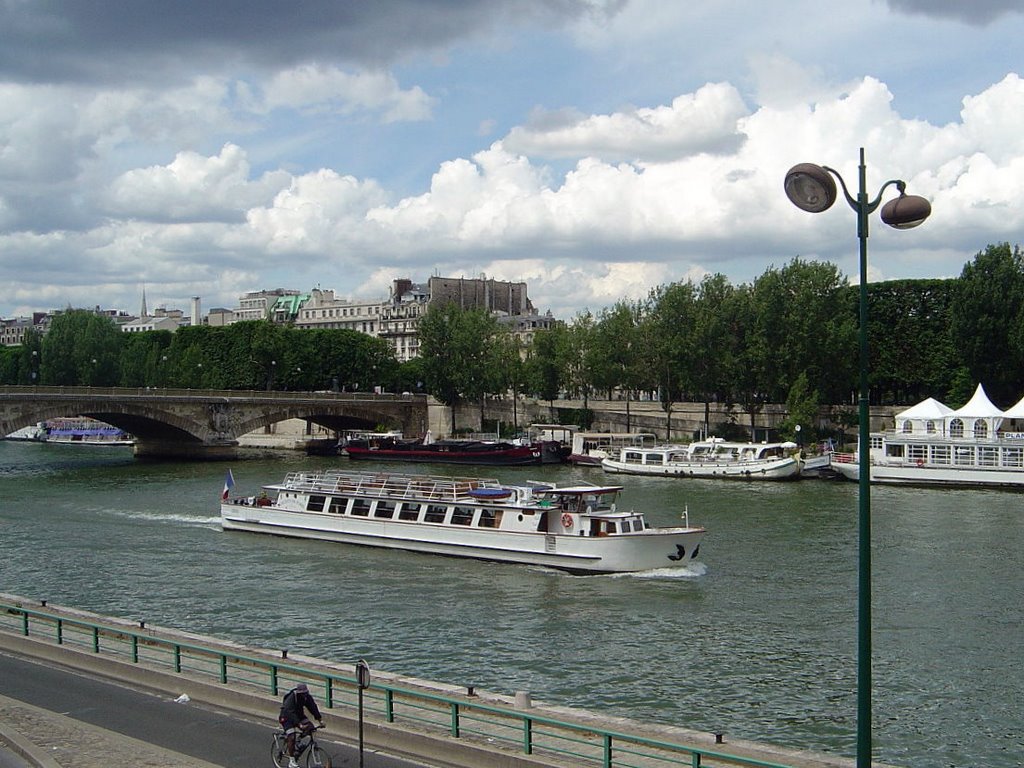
[(926, 409), (1015, 411), (978, 407)]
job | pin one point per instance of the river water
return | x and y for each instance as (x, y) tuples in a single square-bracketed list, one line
[(757, 641)]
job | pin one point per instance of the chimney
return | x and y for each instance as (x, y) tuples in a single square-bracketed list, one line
[(195, 311)]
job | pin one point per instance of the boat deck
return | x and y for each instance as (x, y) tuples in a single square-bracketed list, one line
[(386, 485)]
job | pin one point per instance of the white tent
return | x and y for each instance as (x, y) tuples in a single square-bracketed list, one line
[(977, 418), (925, 418)]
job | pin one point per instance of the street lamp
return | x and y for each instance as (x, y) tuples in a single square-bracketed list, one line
[(811, 188)]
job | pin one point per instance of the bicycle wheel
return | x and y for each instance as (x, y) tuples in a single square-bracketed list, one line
[(317, 758), (277, 753)]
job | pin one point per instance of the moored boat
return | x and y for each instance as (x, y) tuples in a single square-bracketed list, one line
[(711, 458), (577, 528), (454, 451), (589, 449), (933, 444)]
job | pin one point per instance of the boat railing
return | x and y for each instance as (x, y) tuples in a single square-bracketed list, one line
[(385, 485)]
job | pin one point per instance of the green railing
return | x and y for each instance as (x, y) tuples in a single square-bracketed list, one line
[(461, 718)]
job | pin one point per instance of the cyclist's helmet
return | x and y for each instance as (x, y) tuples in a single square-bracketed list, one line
[(301, 688)]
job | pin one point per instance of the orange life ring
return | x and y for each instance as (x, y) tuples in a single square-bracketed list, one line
[(566, 520)]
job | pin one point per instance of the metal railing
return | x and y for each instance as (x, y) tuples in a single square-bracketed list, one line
[(496, 726)]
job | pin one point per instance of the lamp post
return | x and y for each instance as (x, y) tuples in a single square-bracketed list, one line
[(811, 188)]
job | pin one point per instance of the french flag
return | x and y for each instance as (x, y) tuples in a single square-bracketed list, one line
[(229, 483)]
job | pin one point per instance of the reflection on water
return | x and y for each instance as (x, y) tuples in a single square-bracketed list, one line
[(757, 641)]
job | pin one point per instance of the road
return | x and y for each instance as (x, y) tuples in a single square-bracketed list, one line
[(221, 739)]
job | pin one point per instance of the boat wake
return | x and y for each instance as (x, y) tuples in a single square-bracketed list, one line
[(691, 571), (162, 517)]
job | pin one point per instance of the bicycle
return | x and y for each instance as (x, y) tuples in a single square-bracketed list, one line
[(305, 744)]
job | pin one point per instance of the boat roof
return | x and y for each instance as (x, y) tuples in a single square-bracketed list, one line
[(578, 490)]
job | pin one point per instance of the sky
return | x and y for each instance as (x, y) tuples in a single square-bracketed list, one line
[(595, 149)]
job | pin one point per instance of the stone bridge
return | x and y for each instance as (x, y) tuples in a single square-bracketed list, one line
[(206, 424)]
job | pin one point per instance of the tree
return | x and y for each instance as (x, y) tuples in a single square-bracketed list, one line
[(619, 359), (81, 348), (987, 320)]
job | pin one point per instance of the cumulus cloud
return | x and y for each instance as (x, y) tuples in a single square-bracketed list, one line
[(194, 188), (704, 121), (315, 88)]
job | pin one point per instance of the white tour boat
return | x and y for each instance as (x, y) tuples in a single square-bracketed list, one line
[(576, 528), (711, 458), (933, 444), (589, 449)]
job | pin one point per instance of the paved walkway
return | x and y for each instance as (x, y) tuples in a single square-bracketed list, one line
[(48, 740)]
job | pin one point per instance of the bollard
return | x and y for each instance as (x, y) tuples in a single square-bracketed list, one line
[(523, 700), (719, 738)]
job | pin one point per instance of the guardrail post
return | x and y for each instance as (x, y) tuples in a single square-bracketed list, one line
[(329, 692), (135, 649), (607, 750), (60, 632), (24, 623), (389, 705), (695, 762), (177, 658), (273, 679), (95, 638), (223, 668), (455, 719), (527, 735)]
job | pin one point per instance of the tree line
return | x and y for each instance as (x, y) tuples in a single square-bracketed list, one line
[(790, 336)]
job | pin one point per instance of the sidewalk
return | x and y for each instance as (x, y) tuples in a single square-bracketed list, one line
[(48, 740)]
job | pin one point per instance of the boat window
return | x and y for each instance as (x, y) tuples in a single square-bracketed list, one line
[(964, 455), (316, 503), (908, 427), (611, 528), (917, 453), (626, 526), (655, 458), (385, 509), (956, 428), (409, 511), (360, 507), (338, 505), (632, 457), (940, 454), (463, 516), (489, 518), (981, 428), (929, 427), (988, 456), (435, 513), (1013, 457), (895, 451), (875, 442)]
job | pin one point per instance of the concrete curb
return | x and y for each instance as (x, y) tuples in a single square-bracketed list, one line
[(25, 749)]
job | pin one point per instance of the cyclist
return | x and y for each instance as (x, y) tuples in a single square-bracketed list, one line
[(293, 717)]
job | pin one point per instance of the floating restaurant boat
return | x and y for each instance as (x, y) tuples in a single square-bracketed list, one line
[(577, 528), (590, 448), (454, 451), (711, 458), (932, 444)]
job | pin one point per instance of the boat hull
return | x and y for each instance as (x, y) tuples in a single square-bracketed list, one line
[(783, 469), (642, 551), (512, 456), (912, 474)]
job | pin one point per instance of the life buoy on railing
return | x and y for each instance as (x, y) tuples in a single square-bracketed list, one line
[(920, 463), (566, 520)]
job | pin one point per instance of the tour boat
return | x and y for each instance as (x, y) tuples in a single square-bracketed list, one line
[(76, 431), (454, 451), (590, 448), (933, 444), (711, 458), (575, 528)]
